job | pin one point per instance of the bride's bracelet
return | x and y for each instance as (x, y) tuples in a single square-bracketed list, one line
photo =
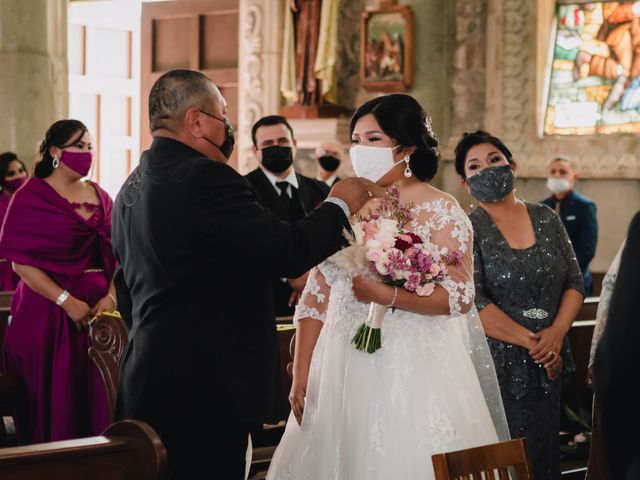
[(395, 297)]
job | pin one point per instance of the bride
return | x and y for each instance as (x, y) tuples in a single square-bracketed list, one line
[(431, 388)]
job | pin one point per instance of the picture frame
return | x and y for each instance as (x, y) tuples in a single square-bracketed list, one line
[(386, 48)]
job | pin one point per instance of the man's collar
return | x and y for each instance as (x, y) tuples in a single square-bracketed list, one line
[(292, 179), (329, 181)]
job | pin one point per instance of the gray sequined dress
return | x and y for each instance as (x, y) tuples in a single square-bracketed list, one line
[(527, 284)]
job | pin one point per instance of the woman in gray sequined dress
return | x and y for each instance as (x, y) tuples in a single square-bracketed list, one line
[(528, 290)]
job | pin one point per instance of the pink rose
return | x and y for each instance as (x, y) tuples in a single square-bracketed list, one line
[(374, 255), (425, 290), (434, 270)]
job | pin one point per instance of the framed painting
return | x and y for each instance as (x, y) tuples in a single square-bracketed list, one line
[(386, 48)]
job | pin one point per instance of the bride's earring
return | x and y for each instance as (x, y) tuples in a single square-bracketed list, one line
[(56, 162), (407, 171)]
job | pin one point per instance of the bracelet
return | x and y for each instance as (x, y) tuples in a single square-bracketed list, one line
[(62, 298), (395, 297)]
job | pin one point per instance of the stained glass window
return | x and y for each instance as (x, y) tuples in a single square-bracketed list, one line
[(595, 75)]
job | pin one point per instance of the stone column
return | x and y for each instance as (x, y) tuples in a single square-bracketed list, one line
[(259, 63), (33, 72)]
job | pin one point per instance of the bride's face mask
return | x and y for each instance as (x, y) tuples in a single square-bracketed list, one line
[(372, 152), (372, 163)]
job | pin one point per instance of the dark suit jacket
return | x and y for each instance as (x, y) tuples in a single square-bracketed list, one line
[(310, 191), (578, 214), (310, 194), (616, 377), (197, 255)]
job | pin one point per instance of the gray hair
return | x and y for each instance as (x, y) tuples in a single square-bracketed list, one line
[(176, 91), (562, 158)]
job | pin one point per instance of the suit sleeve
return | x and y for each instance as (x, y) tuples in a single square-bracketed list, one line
[(586, 250), (124, 297), (230, 217)]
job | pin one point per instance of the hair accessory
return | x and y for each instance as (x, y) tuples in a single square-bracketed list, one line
[(407, 171), (427, 123), (55, 162)]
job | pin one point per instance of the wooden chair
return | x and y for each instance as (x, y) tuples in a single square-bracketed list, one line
[(5, 298), (108, 339), (127, 450), (5, 304), (494, 461)]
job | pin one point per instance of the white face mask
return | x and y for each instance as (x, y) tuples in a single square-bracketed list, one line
[(558, 185), (372, 163)]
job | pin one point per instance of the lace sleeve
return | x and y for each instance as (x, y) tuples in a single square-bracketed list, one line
[(602, 314), (315, 298), (448, 226)]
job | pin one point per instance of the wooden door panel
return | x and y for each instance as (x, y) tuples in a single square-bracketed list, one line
[(197, 35)]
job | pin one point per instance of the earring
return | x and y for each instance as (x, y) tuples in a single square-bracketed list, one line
[(56, 162), (407, 171)]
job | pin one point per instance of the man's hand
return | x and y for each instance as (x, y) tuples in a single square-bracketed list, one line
[(356, 192), (297, 284)]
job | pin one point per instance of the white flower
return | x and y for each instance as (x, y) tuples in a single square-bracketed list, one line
[(358, 233)]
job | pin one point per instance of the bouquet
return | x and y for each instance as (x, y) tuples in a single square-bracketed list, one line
[(383, 245)]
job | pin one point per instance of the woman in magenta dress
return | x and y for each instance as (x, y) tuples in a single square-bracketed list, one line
[(13, 174), (57, 233)]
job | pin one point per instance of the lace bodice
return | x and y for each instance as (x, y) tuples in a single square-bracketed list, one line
[(328, 294)]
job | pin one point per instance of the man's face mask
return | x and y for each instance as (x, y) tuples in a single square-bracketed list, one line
[(276, 158), (329, 163), (558, 185), (226, 148)]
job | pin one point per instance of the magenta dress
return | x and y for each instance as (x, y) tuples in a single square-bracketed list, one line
[(65, 395), (8, 278)]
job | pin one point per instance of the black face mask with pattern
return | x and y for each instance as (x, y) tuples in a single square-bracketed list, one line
[(491, 184)]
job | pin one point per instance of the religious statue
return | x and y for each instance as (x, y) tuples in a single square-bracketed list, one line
[(309, 56)]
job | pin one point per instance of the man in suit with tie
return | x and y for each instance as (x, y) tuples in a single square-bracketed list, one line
[(328, 158), (196, 254), (280, 189), (578, 214)]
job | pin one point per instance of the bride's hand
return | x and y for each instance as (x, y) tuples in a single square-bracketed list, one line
[(296, 399), (366, 290)]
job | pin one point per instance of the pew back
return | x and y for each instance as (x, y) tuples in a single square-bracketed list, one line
[(127, 450)]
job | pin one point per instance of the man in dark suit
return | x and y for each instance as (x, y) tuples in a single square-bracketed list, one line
[(197, 252), (280, 189), (616, 379), (578, 214), (328, 157)]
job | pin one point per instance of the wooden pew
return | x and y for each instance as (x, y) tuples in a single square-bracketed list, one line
[(109, 338), (127, 450), (588, 309), (5, 303)]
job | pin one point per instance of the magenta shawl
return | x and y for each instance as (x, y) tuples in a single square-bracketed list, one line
[(43, 230)]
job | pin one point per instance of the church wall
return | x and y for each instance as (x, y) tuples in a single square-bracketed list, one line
[(33, 77)]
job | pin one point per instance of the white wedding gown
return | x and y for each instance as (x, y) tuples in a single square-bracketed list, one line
[(382, 415)]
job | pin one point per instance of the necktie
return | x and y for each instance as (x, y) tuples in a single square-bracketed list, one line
[(284, 196)]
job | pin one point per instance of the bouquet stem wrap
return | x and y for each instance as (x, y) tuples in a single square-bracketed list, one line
[(368, 338)]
